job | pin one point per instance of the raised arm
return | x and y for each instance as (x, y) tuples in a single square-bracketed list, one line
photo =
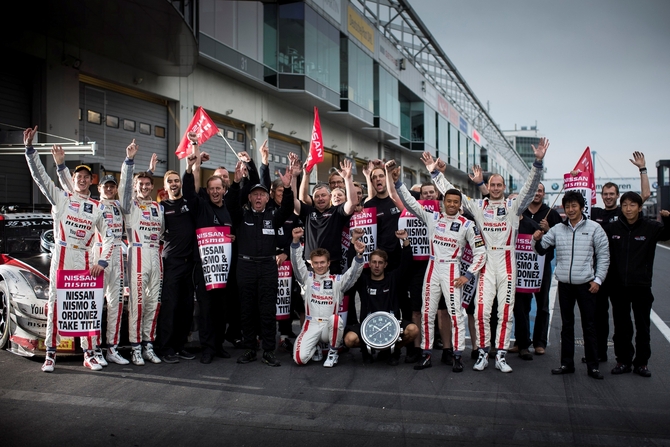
[(126, 183), (64, 177), (296, 169), (40, 176), (639, 161), (303, 195), (345, 172), (530, 186), (350, 277), (477, 177), (299, 266)]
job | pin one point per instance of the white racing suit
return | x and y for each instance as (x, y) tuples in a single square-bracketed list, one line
[(76, 219), (498, 222), (448, 236), (323, 294), (144, 227), (114, 271)]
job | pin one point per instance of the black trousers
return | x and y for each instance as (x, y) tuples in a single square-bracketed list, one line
[(603, 318), (542, 317), (257, 282), (176, 313), (522, 302), (640, 299), (233, 311), (567, 295), (212, 316)]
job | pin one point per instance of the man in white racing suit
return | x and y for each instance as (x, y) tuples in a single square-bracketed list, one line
[(448, 233), (76, 219), (323, 293), (144, 227), (498, 220), (114, 271)]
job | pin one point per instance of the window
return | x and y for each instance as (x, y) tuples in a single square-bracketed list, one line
[(240, 137), (322, 50), (159, 131), (129, 125), (145, 129), (93, 117), (357, 75), (386, 104), (112, 121)]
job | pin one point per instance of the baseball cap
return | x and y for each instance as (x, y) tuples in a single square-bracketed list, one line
[(258, 186), (109, 178), (82, 167)]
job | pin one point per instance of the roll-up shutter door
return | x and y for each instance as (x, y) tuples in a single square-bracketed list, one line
[(16, 98), (114, 119), (219, 152), (279, 150)]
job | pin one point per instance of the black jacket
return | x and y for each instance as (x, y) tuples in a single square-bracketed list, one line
[(632, 250), (553, 218)]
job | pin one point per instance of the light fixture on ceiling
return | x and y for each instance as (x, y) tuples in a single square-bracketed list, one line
[(293, 132), (45, 148), (229, 112), (267, 124), (334, 146), (353, 154)]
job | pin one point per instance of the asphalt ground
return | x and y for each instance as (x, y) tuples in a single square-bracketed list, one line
[(226, 403)]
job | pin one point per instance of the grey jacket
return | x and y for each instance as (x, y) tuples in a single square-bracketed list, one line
[(582, 255)]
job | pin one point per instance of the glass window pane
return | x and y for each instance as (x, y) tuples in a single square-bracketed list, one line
[(360, 75), (291, 52)]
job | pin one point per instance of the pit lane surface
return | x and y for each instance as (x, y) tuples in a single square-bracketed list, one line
[(377, 405)]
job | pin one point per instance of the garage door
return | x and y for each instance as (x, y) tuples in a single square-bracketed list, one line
[(113, 119), (279, 150)]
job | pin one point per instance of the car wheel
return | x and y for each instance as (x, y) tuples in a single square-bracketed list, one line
[(4, 314)]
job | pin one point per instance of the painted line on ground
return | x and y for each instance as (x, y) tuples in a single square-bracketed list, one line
[(660, 324)]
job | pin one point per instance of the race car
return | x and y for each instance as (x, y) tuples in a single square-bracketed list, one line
[(26, 240)]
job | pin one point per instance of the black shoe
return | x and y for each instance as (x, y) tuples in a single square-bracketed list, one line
[(525, 354), (394, 358), (270, 359), (185, 355), (474, 354), (621, 368), (286, 345), (367, 357), (238, 343), (448, 356), (413, 355), (206, 357), (222, 353), (600, 359), (596, 374), (457, 367), (248, 356), (563, 370), (642, 371), (424, 362), (170, 358)]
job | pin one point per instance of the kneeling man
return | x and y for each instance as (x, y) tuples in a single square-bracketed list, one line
[(323, 293)]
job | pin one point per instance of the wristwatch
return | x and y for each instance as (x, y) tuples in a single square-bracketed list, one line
[(380, 330)]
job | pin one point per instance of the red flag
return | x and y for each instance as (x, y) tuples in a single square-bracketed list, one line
[(201, 124), (585, 164), (316, 145)]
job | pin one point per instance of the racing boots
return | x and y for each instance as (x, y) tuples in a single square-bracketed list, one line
[(91, 361), (501, 363), (49, 362), (113, 356)]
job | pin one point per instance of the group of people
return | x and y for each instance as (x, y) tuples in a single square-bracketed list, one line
[(255, 252)]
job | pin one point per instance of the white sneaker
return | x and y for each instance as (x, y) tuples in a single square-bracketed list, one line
[(482, 361), (318, 355), (137, 356), (501, 363), (149, 354), (91, 361), (331, 360), (113, 356), (49, 362), (100, 358)]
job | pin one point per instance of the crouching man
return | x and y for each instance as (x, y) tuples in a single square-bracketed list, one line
[(323, 293)]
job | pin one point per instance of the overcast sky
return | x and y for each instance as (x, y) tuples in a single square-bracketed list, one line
[(591, 73)]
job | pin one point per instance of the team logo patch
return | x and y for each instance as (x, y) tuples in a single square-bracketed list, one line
[(81, 233), (488, 214), (88, 208), (316, 285), (455, 226), (476, 230), (640, 238), (267, 224), (616, 236), (146, 215), (327, 285), (154, 237), (184, 208), (372, 292), (74, 206), (502, 211), (154, 212), (116, 211), (108, 216), (395, 210)]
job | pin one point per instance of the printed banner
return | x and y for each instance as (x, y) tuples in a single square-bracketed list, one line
[(79, 303), (585, 167), (285, 271), (345, 244), (215, 246), (580, 183), (529, 265), (469, 290), (367, 220), (343, 310), (417, 231)]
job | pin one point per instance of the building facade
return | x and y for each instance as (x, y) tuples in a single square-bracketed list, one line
[(112, 71)]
